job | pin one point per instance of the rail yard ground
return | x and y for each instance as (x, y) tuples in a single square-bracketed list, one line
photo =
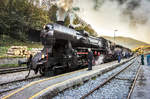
[(74, 85), (60, 82)]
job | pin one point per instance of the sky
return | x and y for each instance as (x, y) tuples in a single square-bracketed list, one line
[(131, 18)]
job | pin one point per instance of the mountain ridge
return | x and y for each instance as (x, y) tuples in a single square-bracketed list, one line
[(126, 41)]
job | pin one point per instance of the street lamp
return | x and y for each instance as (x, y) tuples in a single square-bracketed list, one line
[(114, 35)]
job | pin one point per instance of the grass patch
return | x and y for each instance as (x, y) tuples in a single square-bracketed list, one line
[(74, 86), (4, 56), (7, 41), (79, 84), (3, 50), (94, 78)]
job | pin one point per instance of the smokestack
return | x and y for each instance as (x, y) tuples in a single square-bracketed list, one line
[(64, 6), (61, 14)]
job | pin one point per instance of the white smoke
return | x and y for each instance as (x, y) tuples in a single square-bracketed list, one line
[(61, 14), (130, 17), (63, 7), (99, 60)]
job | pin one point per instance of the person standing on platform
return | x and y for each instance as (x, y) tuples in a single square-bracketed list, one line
[(148, 59), (142, 59), (90, 58), (119, 57)]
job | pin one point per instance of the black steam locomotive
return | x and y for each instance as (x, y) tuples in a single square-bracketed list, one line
[(66, 48)]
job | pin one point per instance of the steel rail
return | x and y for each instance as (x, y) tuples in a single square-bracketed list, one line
[(107, 80), (12, 70), (1, 92), (16, 81), (134, 82), (24, 79)]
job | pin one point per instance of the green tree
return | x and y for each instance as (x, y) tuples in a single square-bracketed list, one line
[(52, 13), (90, 30), (18, 16), (76, 21), (67, 21)]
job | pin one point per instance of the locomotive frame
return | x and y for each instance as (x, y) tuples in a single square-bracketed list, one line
[(66, 48)]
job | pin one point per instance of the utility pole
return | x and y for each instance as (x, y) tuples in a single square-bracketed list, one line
[(115, 35)]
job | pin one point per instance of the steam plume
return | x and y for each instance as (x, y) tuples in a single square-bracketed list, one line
[(128, 16), (64, 6)]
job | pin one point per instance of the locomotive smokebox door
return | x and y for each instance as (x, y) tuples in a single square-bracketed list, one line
[(47, 35)]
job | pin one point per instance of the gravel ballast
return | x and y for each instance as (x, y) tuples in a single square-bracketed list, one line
[(117, 88)]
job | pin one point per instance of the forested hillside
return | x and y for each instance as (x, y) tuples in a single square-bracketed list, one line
[(19, 17)]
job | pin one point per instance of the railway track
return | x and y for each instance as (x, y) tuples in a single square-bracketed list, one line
[(12, 70), (110, 78), (9, 84), (134, 82), (16, 82), (16, 87)]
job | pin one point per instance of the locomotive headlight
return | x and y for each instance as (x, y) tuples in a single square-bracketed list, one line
[(44, 27), (42, 56)]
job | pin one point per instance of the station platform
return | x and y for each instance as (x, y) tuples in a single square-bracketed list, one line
[(49, 87), (142, 86)]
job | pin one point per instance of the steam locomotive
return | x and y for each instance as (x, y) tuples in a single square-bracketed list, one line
[(66, 48)]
